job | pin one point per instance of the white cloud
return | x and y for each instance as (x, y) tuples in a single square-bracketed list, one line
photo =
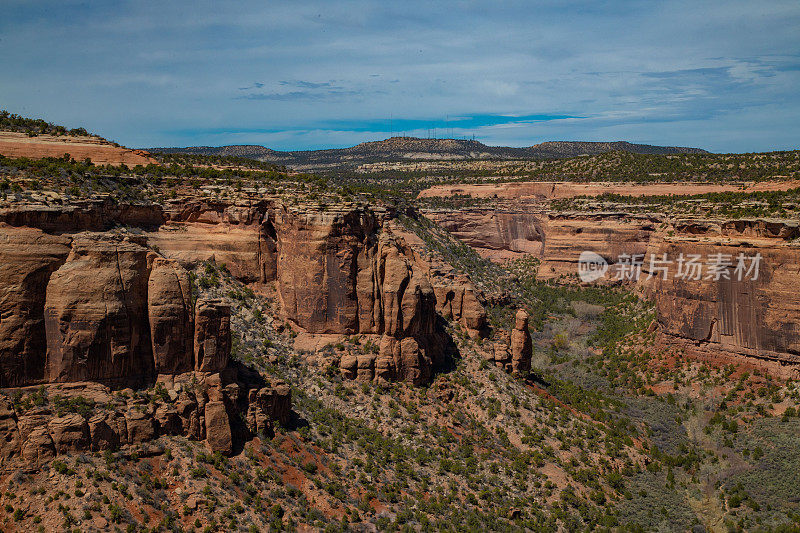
[(152, 73)]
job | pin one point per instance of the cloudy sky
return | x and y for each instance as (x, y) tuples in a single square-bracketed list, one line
[(724, 76)]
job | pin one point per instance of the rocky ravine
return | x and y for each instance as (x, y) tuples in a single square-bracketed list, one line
[(753, 322), (86, 310)]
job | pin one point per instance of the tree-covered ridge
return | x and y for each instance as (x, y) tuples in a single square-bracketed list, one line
[(35, 126), (615, 166), (217, 161), (623, 166), (729, 204)]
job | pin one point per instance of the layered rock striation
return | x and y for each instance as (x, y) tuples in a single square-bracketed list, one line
[(748, 317), (103, 308), (724, 320), (90, 303)]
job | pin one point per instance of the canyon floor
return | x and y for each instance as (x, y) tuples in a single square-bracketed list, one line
[(197, 342)]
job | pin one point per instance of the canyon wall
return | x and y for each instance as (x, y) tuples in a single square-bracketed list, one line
[(555, 240), (550, 190), (88, 302), (752, 322), (336, 271), (90, 306)]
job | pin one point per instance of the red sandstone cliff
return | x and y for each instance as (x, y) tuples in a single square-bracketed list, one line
[(751, 322)]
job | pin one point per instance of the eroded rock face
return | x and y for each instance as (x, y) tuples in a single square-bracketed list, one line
[(338, 273), (212, 340), (38, 448), (457, 299), (409, 348), (513, 350), (95, 309), (242, 237), (218, 428), (9, 433), (521, 344), (28, 256), (725, 321), (502, 234), (202, 409), (69, 433), (556, 240), (318, 264), (268, 404), (103, 432), (98, 309), (171, 318), (731, 320)]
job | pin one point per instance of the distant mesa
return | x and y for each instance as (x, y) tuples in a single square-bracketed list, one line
[(414, 148), (37, 138)]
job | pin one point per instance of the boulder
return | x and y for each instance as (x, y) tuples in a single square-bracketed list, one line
[(103, 432), (366, 367), (140, 425), (348, 365)]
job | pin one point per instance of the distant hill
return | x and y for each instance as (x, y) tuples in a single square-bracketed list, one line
[(36, 138), (413, 148), (37, 126)]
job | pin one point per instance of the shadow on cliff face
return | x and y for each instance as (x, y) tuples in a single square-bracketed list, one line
[(276, 405), (449, 351)]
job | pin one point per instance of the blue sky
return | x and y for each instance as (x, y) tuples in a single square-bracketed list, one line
[(313, 74)]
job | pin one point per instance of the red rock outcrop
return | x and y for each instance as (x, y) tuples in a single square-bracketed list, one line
[(101, 307), (727, 321), (242, 237), (318, 266), (197, 405), (521, 344), (9, 433), (571, 189), (70, 433), (28, 258), (459, 300), (95, 312), (513, 350), (83, 215), (556, 240), (170, 314), (339, 273), (731, 319), (218, 427), (212, 338), (100, 151)]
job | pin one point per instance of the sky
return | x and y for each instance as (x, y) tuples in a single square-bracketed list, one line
[(724, 76)]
